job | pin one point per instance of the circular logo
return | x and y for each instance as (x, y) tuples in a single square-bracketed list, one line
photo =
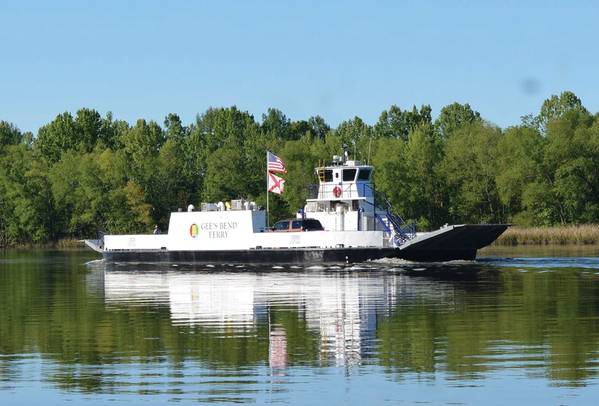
[(194, 231)]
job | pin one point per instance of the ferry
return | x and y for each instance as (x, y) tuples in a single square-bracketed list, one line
[(345, 220)]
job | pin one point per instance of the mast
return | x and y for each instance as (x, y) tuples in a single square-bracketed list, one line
[(267, 208)]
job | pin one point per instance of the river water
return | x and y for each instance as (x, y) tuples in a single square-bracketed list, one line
[(513, 327)]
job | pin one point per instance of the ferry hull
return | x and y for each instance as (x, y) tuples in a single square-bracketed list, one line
[(255, 256), (292, 256)]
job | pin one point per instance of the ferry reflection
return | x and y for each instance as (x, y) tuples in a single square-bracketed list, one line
[(342, 308)]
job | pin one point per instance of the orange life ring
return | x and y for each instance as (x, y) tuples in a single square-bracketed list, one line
[(337, 191)]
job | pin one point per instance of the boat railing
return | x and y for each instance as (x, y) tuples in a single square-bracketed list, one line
[(397, 229), (328, 192)]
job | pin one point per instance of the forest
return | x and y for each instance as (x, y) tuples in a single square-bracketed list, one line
[(83, 173)]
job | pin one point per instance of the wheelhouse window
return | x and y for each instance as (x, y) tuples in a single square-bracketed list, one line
[(296, 224), (364, 174), (328, 175), (349, 175)]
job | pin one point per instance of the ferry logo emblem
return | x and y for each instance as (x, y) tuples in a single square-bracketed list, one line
[(193, 231)]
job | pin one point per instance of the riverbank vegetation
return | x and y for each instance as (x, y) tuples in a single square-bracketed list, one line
[(560, 235), (84, 172)]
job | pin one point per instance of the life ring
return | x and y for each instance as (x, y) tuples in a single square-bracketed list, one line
[(337, 191)]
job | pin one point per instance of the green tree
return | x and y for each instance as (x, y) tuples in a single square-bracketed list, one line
[(81, 133), (9, 134), (455, 116), (218, 126), (276, 125), (570, 159), (26, 211), (390, 166), (58, 136), (93, 192), (356, 134), (519, 164), (470, 171), (424, 184), (224, 178), (318, 127), (300, 163), (172, 183), (555, 107), (395, 123)]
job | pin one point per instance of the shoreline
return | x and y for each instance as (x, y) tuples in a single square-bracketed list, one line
[(586, 234), (66, 243)]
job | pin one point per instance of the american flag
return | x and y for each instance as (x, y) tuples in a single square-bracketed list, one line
[(274, 163)]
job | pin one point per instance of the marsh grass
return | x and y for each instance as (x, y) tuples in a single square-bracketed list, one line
[(64, 243), (69, 243), (580, 235)]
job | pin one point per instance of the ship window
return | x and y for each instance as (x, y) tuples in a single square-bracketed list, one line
[(364, 174), (328, 175), (349, 175), (296, 224)]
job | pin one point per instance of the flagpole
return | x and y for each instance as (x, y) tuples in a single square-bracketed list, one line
[(267, 208)]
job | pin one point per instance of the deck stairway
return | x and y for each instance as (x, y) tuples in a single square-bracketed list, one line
[(393, 224)]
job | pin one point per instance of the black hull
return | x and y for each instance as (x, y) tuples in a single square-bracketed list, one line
[(264, 256), (282, 256), (454, 243)]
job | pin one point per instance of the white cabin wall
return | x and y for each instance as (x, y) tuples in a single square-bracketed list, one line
[(216, 230), (325, 239), (351, 220), (135, 242), (330, 220), (327, 219)]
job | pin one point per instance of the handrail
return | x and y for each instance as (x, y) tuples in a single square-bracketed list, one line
[(402, 234)]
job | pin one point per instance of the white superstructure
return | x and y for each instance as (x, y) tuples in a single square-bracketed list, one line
[(344, 201), (345, 197), (236, 230)]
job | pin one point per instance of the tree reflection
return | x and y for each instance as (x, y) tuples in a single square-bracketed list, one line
[(467, 321)]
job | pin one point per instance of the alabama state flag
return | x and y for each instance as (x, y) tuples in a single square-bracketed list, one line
[(275, 184)]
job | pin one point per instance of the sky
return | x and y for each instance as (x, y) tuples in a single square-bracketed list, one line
[(337, 59)]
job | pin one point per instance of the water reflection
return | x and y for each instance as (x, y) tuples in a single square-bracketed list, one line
[(341, 308), (466, 319), (253, 334)]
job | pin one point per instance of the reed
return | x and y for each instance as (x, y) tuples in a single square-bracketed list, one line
[(63, 243), (69, 243), (582, 235)]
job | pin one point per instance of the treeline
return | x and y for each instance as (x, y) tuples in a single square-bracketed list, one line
[(83, 173)]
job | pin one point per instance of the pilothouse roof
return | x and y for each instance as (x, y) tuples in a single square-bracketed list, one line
[(341, 170)]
